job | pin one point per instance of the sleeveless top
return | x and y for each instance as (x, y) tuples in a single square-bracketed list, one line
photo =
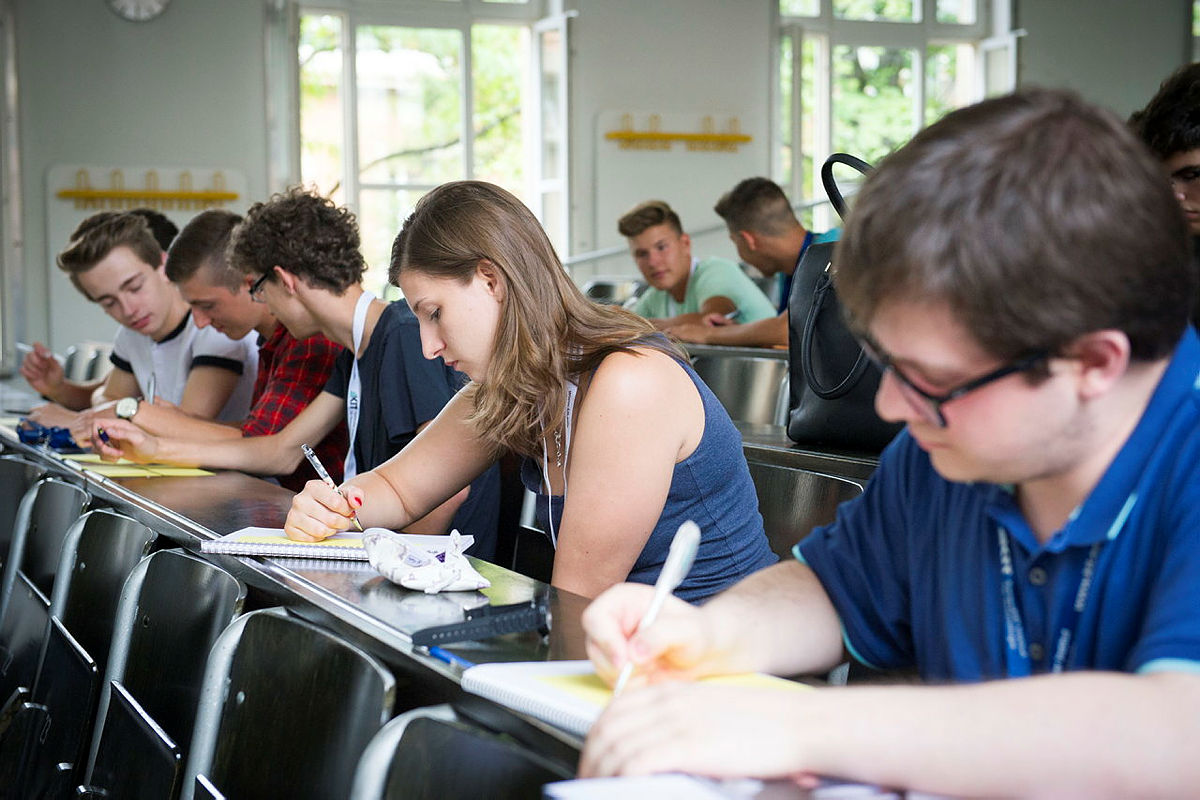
[(711, 486)]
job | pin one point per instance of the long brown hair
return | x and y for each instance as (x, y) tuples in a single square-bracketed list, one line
[(548, 330)]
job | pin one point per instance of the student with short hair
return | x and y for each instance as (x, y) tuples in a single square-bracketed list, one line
[(300, 254), (768, 237), (291, 371), (114, 260), (684, 288), (1029, 544), (621, 440), (1170, 127)]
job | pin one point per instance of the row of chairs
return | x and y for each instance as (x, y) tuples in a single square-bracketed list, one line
[(198, 699)]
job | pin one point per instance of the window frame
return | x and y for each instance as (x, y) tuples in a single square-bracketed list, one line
[(832, 32)]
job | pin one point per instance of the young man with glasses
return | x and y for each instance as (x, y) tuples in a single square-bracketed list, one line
[(1170, 127), (291, 371), (300, 254), (1030, 545)]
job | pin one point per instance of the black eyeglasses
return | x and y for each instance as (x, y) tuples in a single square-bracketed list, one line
[(257, 287), (1185, 179), (930, 405)]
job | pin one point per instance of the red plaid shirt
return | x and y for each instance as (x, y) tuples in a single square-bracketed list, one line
[(291, 373)]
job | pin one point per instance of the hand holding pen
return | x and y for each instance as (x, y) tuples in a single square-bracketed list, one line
[(678, 564), (323, 474)]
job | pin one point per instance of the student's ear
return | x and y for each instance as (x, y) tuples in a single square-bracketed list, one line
[(1102, 357), (288, 279), (493, 281), (749, 238), (161, 269)]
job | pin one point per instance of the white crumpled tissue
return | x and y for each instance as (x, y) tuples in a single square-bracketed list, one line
[(414, 564)]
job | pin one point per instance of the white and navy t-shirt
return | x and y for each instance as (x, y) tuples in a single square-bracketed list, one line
[(171, 361)]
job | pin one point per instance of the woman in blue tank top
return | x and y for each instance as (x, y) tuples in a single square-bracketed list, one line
[(619, 435)]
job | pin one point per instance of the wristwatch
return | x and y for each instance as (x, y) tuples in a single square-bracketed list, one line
[(126, 407)]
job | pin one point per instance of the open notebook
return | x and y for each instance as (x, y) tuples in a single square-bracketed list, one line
[(569, 694), (344, 545)]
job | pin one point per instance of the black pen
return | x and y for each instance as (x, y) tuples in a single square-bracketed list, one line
[(323, 475)]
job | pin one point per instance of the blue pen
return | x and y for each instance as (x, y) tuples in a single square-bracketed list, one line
[(103, 434), (445, 655)]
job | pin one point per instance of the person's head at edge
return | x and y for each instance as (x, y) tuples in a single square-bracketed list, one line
[(762, 225), (197, 264), (493, 299), (299, 241), (114, 260), (1170, 127), (660, 248), (973, 265)]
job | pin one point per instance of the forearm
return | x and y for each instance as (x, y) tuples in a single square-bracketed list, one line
[(167, 421), (261, 455), (75, 396), (778, 620), (1079, 735), (763, 333)]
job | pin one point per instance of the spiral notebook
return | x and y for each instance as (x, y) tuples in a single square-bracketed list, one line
[(569, 694), (344, 545)]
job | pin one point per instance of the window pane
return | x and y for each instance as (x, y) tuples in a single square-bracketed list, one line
[(872, 100), (500, 63), (893, 10), (799, 8), (553, 222), (811, 48), (949, 79), (961, 12), (322, 136), (787, 153), (409, 104), (552, 134), (380, 214)]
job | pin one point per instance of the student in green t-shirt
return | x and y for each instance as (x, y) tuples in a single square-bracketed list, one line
[(682, 288)]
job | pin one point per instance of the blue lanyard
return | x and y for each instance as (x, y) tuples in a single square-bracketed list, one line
[(1016, 650)]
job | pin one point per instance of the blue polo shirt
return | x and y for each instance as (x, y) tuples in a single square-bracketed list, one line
[(913, 565)]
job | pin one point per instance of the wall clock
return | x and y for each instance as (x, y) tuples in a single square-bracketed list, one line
[(138, 10)]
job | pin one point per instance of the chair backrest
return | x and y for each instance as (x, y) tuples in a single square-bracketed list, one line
[(22, 632), (794, 501), (97, 555), (281, 688), (431, 753), (173, 607), (17, 476), (136, 757), (66, 685), (47, 511)]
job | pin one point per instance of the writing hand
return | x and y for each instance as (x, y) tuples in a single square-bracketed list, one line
[(125, 440), (318, 512)]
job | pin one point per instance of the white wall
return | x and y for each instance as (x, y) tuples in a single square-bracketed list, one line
[(184, 90), (683, 59), (1114, 52)]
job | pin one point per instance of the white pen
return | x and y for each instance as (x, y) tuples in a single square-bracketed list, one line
[(150, 393), (323, 475), (732, 315), (678, 564)]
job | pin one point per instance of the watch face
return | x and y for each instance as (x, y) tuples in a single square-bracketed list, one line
[(138, 10), (126, 407)]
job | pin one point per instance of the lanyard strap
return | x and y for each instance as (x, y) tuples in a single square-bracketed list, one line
[(1016, 649), (354, 388), (568, 412)]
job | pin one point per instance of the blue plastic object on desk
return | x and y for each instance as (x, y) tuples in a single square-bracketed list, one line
[(60, 439)]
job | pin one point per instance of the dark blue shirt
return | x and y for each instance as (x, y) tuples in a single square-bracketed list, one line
[(713, 487), (913, 565)]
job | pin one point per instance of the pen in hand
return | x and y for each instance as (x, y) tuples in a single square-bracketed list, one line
[(323, 475), (678, 564)]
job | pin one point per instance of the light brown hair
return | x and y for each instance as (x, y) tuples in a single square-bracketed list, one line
[(548, 331), (1036, 217), (99, 235), (646, 215)]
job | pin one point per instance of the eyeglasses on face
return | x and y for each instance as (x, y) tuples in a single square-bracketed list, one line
[(257, 287), (929, 405), (1185, 179)]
